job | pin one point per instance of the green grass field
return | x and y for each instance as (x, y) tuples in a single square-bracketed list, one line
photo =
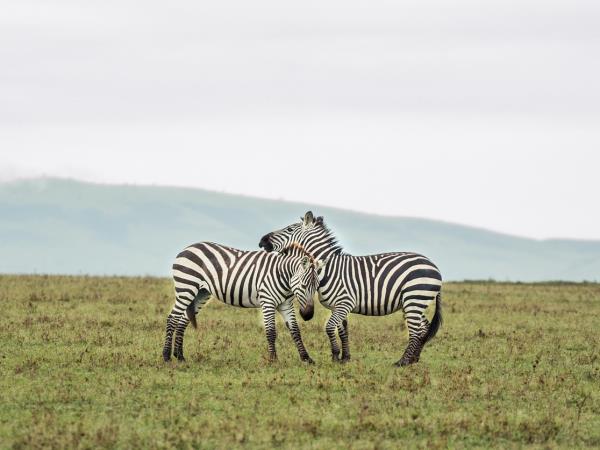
[(514, 365)]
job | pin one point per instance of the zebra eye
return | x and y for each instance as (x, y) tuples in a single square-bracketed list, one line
[(290, 229)]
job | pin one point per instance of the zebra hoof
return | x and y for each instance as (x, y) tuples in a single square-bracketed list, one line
[(335, 357), (405, 362), (166, 358), (308, 360), (345, 359)]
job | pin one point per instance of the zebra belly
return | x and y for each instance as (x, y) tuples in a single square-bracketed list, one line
[(239, 295), (329, 301), (381, 311), (246, 302)]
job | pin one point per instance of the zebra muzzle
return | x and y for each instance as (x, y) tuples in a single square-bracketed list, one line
[(265, 243), (308, 312)]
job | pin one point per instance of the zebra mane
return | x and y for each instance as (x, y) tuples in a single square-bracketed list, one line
[(302, 250), (333, 242)]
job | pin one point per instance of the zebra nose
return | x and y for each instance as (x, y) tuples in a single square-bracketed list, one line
[(264, 242)]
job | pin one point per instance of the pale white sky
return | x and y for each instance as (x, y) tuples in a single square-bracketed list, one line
[(482, 113)]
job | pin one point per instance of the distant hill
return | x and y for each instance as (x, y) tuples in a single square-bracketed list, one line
[(70, 227)]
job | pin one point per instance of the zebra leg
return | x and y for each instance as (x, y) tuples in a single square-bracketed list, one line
[(416, 338), (420, 330), (424, 326), (171, 322), (335, 320), (182, 324), (185, 293), (189, 314), (268, 311), (183, 298), (343, 332), (286, 310)]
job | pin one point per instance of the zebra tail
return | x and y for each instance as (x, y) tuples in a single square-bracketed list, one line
[(437, 320), (190, 312)]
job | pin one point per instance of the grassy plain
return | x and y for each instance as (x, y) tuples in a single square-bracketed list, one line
[(80, 367)]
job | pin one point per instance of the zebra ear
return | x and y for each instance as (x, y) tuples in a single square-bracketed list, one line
[(305, 262), (308, 218), (321, 263)]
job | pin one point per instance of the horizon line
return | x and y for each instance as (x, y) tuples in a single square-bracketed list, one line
[(283, 200)]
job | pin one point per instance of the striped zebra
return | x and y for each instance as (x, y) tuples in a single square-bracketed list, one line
[(249, 279), (373, 285)]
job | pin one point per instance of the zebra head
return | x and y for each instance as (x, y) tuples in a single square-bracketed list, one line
[(304, 284), (310, 232)]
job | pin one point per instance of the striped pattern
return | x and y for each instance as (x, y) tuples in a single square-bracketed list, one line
[(374, 285), (249, 279)]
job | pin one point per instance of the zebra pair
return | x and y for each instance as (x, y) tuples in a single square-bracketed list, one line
[(248, 279), (373, 285)]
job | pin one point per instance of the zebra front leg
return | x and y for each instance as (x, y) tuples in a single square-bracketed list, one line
[(286, 310), (268, 311), (171, 322), (343, 332)]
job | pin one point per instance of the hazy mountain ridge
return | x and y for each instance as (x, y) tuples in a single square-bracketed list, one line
[(63, 226)]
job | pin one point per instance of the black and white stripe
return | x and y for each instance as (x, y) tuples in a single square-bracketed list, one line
[(249, 279), (373, 285)]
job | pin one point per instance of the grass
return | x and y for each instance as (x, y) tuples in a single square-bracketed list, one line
[(80, 367)]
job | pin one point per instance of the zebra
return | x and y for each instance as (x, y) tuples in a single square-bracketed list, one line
[(373, 285), (249, 279)]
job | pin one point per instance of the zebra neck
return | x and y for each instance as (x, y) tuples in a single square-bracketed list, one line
[(284, 269), (322, 244), (320, 252)]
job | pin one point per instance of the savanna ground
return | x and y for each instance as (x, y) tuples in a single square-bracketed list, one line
[(80, 361)]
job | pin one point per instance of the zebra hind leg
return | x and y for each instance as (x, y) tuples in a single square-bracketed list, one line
[(189, 316), (424, 326), (182, 324), (416, 339), (420, 330), (171, 323)]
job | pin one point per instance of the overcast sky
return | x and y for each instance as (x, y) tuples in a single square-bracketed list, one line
[(481, 113)]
